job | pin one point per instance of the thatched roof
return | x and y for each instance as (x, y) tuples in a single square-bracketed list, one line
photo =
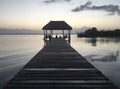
[(57, 25)]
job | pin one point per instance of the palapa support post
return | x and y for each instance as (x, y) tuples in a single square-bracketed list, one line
[(69, 36), (63, 33)]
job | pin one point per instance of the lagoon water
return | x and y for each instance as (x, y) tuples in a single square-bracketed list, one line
[(17, 50)]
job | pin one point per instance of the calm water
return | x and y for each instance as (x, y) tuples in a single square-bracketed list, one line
[(17, 50)]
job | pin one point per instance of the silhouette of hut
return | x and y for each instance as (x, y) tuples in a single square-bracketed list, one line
[(56, 26)]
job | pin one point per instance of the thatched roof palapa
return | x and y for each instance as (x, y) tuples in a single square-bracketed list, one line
[(57, 25)]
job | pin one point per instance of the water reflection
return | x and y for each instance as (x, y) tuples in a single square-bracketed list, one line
[(103, 53), (93, 41), (112, 57), (15, 52)]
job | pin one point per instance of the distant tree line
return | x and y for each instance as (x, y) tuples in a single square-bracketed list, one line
[(93, 32)]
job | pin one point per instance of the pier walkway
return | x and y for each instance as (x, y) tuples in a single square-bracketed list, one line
[(59, 66)]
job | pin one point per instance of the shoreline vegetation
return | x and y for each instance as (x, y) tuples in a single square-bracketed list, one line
[(93, 32)]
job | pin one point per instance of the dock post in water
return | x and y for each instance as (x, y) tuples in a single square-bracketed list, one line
[(59, 66)]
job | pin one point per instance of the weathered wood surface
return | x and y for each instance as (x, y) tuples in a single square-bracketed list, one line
[(59, 66)]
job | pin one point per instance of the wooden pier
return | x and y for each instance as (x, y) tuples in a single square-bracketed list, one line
[(59, 66)]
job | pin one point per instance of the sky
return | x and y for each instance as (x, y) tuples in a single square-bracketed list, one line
[(34, 14)]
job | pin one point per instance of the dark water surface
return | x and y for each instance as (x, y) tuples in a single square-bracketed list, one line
[(17, 50)]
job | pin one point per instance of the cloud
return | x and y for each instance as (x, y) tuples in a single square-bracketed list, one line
[(53, 1), (67, 0), (49, 1), (112, 9)]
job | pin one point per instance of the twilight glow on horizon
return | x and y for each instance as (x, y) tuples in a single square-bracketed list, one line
[(34, 14)]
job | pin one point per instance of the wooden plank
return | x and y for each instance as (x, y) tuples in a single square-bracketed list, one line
[(59, 66)]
